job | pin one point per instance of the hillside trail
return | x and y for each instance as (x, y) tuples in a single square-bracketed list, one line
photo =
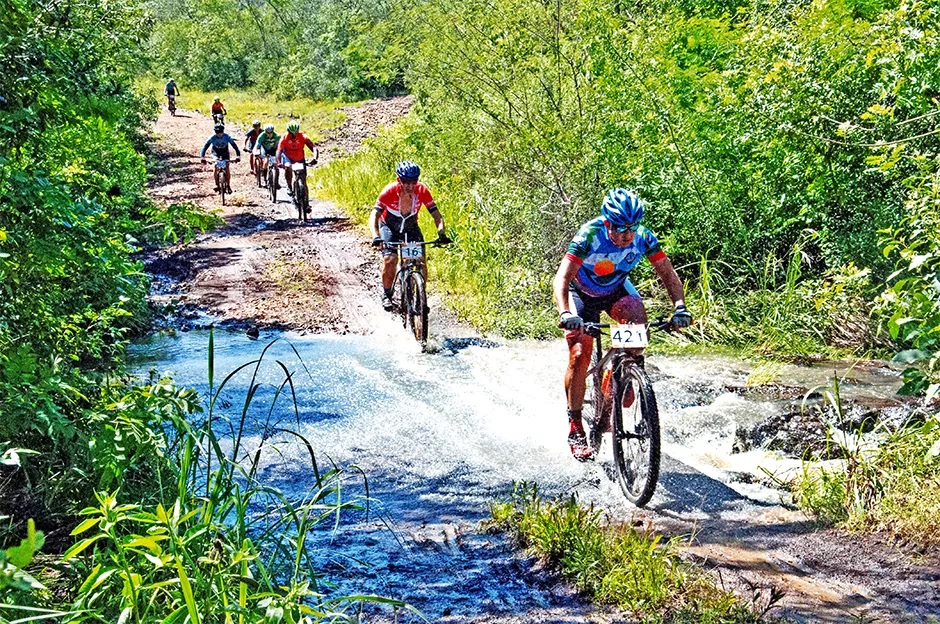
[(264, 269)]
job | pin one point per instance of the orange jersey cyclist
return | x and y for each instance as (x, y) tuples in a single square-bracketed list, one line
[(395, 219), (290, 150), (593, 278)]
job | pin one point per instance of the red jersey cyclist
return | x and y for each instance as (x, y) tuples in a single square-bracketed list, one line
[(290, 150), (395, 218), (593, 277)]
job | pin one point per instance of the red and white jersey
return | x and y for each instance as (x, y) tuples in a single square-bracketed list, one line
[(396, 201)]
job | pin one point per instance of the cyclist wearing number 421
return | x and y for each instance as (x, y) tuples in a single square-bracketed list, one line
[(593, 277), (220, 142), (395, 219)]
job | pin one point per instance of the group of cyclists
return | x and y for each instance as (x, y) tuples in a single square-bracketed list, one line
[(592, 277), (260, 144)]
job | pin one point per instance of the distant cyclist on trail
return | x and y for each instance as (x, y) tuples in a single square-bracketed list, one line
[(218, 110), (250, 139), (593, 277), (291, 150), (219, 143), (395, 217), (170, 91)]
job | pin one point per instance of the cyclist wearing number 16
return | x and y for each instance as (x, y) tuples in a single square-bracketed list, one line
[(593, 277), (395, 220), (219, 143)]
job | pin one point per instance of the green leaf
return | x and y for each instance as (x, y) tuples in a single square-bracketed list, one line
[(910, 355), (80, 546)]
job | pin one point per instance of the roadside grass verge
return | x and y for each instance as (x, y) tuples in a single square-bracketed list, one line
[(616, 564), (316, 117), (889, 483)]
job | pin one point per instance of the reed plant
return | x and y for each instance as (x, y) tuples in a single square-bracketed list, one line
[(221, 545), (890, 483), (616, 563)]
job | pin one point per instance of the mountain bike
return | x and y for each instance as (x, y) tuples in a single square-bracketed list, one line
[(256, 160), (409, 294), (299, 186), (619, 399), (220, 183), (271, 175)]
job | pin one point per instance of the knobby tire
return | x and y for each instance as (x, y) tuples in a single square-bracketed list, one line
[(258, 172), (636, 435), (592, 410), (400, 296), (272, 183), (417, 307), (300, 196), (220, 182)]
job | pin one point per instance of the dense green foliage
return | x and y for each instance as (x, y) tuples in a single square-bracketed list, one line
[(315, 48), (616, 564), (72, 183), (750, 130)]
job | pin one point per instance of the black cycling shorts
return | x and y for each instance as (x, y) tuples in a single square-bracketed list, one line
[(411, 234)]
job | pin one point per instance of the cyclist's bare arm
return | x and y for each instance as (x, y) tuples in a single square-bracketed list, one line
[(438, 221), (564, 276), (313, 148), (374, 223), (670, 279)]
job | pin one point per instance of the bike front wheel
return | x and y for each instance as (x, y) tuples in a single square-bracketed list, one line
[(635, 433), (417, 307), (272, 182), (595, 411), (220, 182)]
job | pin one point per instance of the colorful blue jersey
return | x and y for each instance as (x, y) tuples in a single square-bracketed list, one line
[(219, 145), (603, 265)]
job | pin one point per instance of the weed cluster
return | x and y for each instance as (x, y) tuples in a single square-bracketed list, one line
[(616, 564), (891, 484)]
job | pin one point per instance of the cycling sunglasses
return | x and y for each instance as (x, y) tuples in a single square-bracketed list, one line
[(625, 228)]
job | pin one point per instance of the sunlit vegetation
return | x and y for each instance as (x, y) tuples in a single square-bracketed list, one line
[(316, 116), (617, 564), (889, 483), (196, 549)]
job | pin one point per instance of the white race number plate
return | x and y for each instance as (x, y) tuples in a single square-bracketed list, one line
[(297, 166), (412, 252), (221, 164), (629, 336)]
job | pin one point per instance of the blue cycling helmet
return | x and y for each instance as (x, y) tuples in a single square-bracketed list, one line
[(622, 208), (407, 171)]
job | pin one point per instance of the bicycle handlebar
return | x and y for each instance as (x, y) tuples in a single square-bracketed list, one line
[(432, 243), (661, 324)]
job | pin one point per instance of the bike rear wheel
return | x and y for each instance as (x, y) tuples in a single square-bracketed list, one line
[(417, 307), (258, 173), (636, 433)]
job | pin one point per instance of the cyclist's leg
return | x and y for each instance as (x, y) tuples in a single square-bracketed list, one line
[(288, 173), (579, 348), (389, 256)]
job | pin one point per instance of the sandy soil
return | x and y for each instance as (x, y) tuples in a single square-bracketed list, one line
[(264, 268)]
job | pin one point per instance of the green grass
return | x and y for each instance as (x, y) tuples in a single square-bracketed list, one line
[(316, 117), (616, 564), (893, 488)]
